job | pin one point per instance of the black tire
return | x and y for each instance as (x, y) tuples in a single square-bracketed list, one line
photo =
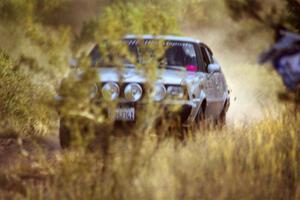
[(64, 135), (222, 119), (200, 119), (199, 123)]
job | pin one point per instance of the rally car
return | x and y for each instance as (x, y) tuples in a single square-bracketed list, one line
[(190, 79)]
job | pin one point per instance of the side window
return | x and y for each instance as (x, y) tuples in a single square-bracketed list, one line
[(210, 57), (206, 58)]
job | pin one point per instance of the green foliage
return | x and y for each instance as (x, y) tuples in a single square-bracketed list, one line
[(21, 106), (270, 13), (131, 17), (39, 57), (43, 11), (136, 19)]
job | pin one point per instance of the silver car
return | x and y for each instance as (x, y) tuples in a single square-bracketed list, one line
[(188, 77)]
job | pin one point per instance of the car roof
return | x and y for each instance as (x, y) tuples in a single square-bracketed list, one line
[(163, 37)]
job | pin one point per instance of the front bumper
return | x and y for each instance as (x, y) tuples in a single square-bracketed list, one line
[(182, 110), (161, 111)]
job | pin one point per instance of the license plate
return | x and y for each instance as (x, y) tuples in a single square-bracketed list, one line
[(124, 114)]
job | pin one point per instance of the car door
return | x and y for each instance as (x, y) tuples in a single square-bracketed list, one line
[(221, 89), (214, 87)]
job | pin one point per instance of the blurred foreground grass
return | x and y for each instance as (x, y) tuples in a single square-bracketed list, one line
[(261, 161)]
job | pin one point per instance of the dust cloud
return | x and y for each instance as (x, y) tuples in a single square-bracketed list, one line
[(253, 87)]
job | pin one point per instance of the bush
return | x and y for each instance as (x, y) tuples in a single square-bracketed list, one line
[(21, 102)]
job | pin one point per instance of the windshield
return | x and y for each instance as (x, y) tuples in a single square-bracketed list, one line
[(168, 54)]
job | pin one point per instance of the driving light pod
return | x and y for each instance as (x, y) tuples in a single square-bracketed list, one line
[(133, 92), (175, 92), (110, 91), (159, 92)]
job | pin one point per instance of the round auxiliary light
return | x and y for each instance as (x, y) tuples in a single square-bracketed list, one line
[(175, 91), (159, 92), (133, 92), (110, 91)]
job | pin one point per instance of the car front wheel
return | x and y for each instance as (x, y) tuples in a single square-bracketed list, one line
[(64, 134), (222, 119), (199, 122), (200, 119)]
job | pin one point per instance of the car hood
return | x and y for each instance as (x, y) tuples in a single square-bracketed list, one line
[(164, 76)]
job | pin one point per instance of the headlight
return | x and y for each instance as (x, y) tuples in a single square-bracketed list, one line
[(133, 92), (176, 92), (159, 92), (110, 91)]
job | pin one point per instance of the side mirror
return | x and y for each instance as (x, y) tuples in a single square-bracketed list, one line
[(212, 68)]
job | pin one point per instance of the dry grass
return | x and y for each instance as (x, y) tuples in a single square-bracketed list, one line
[(257, 162)]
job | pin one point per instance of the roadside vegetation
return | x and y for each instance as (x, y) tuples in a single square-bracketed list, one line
[(256, 159), (257, 162)]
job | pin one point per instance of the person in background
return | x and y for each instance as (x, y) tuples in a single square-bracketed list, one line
[(285, 57)]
